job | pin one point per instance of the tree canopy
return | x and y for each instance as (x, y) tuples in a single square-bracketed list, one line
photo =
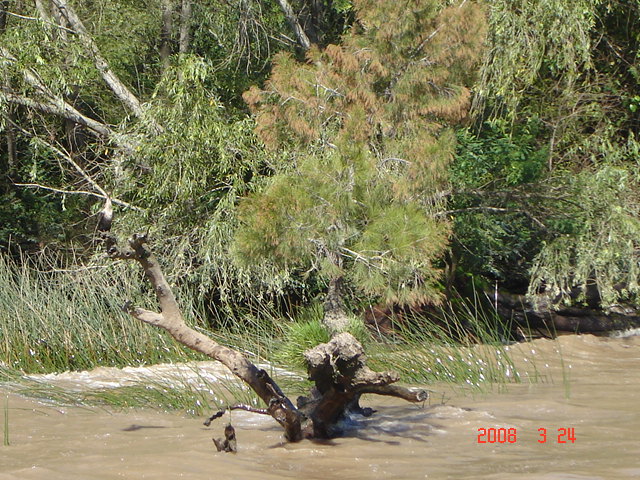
[(347, 149), (367, 127)]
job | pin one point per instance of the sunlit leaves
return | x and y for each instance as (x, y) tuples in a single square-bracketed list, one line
[(529, 38), (365, 124), (602, 243)]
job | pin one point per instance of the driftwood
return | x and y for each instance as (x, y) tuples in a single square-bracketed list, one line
[(229, 442), (337, 368)]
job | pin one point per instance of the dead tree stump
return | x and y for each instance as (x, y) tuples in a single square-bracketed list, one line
[(337, 367), (341, 376)]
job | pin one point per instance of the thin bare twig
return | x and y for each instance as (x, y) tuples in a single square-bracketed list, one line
[(101, 192), (494, 210), (122, 203), (24, 17)]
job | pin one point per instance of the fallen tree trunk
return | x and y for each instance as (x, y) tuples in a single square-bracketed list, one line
[(337, 367), (552, 318), (341, 376)]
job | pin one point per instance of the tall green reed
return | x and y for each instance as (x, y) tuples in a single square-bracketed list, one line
[(5, 438), (55, 320), (467, 346), (69, 319)]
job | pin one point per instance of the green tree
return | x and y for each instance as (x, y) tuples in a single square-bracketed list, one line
[(111, 98), (365, 125), (189, 177), (81, 82), (597, 242), (572, 67), (497, 203)]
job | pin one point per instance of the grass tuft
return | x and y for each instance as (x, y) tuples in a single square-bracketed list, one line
[(466, 347), (5, 439), (308, 331)]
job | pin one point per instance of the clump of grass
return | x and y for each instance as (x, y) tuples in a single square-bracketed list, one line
[(307, 331), (304, 333), (466, 346)]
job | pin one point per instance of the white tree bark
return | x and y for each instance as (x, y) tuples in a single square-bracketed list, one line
[(115, 84), (291, 17)]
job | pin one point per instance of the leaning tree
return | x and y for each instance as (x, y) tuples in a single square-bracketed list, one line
[(337, 368)]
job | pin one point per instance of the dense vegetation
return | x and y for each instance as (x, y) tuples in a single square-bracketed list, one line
[(290, 155)]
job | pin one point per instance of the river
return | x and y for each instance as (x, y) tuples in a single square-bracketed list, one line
[(588, 395)]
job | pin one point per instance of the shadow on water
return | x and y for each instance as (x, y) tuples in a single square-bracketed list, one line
[(402, 423), (134, 428)]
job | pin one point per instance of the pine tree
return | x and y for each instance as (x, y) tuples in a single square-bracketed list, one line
[(365, 125)]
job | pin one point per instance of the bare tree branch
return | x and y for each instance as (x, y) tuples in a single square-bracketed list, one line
[(55, 105), (114, 83), (171, 320), (240, 406), (59, 107), (122, 203), (41, 19), (410, 395), (291, 17), (337, 367)]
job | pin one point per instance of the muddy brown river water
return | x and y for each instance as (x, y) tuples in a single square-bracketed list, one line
[(591, 390)]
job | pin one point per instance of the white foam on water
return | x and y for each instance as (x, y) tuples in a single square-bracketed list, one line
[(631, 332), (194, 373)]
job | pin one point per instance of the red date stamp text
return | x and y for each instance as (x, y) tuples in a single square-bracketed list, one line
[(510, 435)]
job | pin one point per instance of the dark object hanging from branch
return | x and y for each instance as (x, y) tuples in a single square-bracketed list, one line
[(229, 442), (105, 217)]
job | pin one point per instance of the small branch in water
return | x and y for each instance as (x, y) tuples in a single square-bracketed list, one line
[(229, 443), (218, 414), (240, 406), (410, 395)]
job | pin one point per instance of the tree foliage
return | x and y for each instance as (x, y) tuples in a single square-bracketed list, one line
[(178, 168), (571, 67), (365, 125), (189, 177), (598, 244), (534, 39), (495, 204), (361, 179)]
